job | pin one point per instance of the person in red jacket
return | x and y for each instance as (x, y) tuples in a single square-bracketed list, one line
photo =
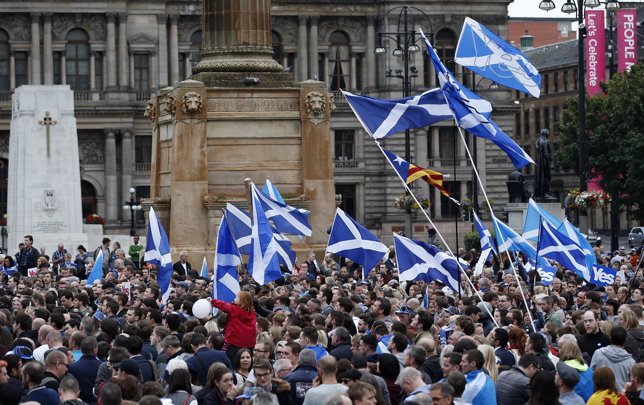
[(240, 325)]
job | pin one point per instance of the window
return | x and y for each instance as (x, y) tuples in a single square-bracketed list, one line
[(98, 65), (57, 61), (446, 141), (445, 48), (546, 83), (556, 82), (22, 67), (537, 118), (517, 125), (448, 208), (344, 144), (141, 72), (278, 49), (77, 59), (88, 198), (348, 193), (339, 61), (195, 47), (4, 61), (576, 78), (565, 80), (555, 114), (143, 149), (526, 124), (182, 66), (546, 118)]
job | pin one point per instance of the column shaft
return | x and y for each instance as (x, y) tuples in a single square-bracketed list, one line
[(163, 51), (302, 48), (12, 71), (47, 50), (92, 71), (126, 163), (63, 68), (174, 49), (187, 66), (131, 78), (370, 78), (124, 75), (353, 71), (111, 193), (111, 52), (35, 48), (313, 44)]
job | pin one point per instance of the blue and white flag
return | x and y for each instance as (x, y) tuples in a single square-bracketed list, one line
[(286, 219), (97, 270), (425, 303), (489, 55), (226, 285), (547, 273), (420, 261), (556, 246), (471, 112), (602, 275), (383, 117), (350, 239), (509, 241), (573, 233), (487, 242), (204, 268), (157, 252), (239, 224), (271, 191), (533, 219), (480, 263), (263, 262)]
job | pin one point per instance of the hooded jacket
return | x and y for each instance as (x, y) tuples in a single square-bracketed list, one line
[(617, 359), (585, 387)]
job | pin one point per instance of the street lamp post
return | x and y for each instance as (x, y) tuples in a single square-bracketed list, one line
[(405, 46), (570, 8), (132, 205)]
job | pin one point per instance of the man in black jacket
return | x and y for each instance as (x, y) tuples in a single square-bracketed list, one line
[(28, 256), (341, 342), (203, 358), (301, 379)]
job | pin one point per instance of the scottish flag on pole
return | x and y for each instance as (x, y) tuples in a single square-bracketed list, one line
[(157, 252), (487, 242), (263, 262), (509, 241), (557, 246), (97, 270), (226, 284), (286, 219), (472, 112), (420, 261), (352, 240), (573, 233), (271, 191), (602, 275), (533, 217), (489, 55), (382, 117)]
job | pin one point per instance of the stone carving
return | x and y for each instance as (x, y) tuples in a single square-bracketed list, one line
[(142, 38), (191, 103), (49, 199), (253, 105), (94, 24), (287, 29), (332, 106), (170, 105), (151, 110), (90, 149), (354, 27), (17, 25), (315, 104)]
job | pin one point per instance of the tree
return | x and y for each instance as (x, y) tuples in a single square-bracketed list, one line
[(615, 127)]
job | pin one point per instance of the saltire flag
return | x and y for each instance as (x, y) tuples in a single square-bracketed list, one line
[(487, 242), (556, 246), (533, 219), (410, 172), (350, 239), (489, 55), (602, 275), (547, 274), (508, 240), (573, 233), (226, 284), (286, 219), (97, 270), (420, 261), (239, 224), (157, 252), (204, 268), (384, 117), (425, 303), (271, 191), (263, 262), (480, 264), (467, 109)]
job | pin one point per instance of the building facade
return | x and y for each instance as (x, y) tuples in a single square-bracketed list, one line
[(116, 55)]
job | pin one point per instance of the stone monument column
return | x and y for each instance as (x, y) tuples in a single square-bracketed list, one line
[(237, 37)]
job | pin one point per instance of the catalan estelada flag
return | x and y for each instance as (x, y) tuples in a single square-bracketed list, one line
[(409, 172)]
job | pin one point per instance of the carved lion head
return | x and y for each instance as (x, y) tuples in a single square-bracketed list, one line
[(191, 103), (315, 104)]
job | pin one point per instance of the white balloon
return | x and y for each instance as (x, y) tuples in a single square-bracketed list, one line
[(202, 308)]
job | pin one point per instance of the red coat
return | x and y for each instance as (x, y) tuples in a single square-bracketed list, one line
[(240, 326)]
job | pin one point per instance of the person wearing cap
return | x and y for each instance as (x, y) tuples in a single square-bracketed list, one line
[(126, 367), (566, 379), (404, 314)]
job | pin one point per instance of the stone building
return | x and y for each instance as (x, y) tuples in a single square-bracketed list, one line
[(115, 55)]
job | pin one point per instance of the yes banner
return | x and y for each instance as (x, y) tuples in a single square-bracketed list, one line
[(602, 276), (595, 44)]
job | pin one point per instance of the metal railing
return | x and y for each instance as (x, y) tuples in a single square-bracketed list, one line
[(346, 164), (142, 167)]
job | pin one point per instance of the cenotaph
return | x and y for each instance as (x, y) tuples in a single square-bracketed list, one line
[(242, 116), (44, 197)]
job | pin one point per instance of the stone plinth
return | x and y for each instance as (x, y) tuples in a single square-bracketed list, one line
[(517, 212), (44, 198)]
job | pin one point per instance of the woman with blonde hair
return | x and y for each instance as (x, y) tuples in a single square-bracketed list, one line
[(634, 334), (490, 361), (572, 356), (240, 324)]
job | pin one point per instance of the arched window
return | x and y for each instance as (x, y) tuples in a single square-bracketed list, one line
[(339, 61), (77, 59), (88, 198), (195, 47), (445, 44), (4, 61), (278, 48)]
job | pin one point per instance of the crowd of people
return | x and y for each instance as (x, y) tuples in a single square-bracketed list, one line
[(323, 334)]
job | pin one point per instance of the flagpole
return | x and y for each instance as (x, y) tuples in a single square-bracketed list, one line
[(487, 200), (536, 260), (437, 233)]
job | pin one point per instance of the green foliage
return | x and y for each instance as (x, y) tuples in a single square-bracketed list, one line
[(472, 241), (615, 127)]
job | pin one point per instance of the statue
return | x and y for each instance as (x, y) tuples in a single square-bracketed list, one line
[(516, 187), (542, 174)]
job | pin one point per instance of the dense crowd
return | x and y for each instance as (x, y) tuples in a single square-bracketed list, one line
[(323, 334)]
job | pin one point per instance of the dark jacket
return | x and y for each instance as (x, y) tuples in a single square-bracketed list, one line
[(432, 367), (147, 371), (178, 268), (42, 395), (342, 351), (512, 387), (28, 259), (635, 344), (301, 380), (51, 381), (201, 361), (212, 396), (85, 371)]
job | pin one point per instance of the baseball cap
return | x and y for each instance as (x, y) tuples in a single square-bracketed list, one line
[(129, 367), (568, 375), (405, 310)]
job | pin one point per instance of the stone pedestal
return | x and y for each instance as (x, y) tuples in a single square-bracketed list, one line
[(44, 198), (517, 212)]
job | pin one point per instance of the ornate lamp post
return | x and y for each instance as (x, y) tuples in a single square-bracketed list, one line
[(405, 38), (571, 7), (132, 205)]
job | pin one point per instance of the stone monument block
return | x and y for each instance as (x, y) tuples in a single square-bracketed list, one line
[(44, 197)]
